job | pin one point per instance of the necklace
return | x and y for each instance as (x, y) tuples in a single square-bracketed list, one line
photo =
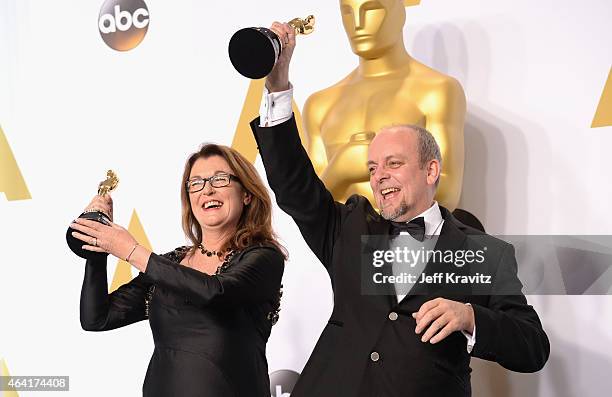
[(209, 253)]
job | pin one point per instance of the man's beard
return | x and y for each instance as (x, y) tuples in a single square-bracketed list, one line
[(402, 209)]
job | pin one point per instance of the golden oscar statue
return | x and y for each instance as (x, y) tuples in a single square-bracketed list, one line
[(388, 87)]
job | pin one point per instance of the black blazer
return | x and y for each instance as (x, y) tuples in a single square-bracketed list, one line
[(508, 330)]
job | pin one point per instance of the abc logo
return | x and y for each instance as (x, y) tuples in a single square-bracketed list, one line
[(123, 24), (282, 382)]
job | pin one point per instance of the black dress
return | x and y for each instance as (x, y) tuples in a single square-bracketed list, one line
[(210, 331)]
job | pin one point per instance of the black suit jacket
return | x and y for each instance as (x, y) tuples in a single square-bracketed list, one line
[(508, 330)]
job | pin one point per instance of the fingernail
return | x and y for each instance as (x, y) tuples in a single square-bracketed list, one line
[(423, 339)]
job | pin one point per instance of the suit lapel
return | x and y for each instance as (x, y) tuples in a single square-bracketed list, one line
[(380, 231)]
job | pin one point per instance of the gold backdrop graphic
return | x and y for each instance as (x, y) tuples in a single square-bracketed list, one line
[(603, 114), (243, 141), (5, 372), (123, 271), (11, 180)]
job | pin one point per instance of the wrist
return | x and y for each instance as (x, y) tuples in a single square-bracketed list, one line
[(277, 85), (129, 255), (471, 319)]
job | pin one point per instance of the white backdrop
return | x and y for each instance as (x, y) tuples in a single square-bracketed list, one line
[(71, 107)]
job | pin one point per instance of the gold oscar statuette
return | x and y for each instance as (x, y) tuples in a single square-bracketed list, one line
[(254, 51), (105, 187)]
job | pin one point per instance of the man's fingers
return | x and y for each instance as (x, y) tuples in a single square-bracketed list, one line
[(425, 307), (427, 318), (285, 33), (277, 28), (446, 331), (435, 327)]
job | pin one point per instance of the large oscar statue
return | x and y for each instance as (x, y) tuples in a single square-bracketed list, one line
[(94, 214), (388, 87)]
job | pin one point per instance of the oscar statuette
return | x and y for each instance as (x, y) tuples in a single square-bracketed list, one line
[(105, 187), (254, 51)]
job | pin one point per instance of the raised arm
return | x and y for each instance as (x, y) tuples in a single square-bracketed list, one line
[(291, 175)]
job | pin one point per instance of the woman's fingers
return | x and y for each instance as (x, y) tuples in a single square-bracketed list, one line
[(85, 238), (81, 228), (92, 248), (97, 226)]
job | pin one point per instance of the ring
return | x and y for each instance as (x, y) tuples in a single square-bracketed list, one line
[(95, 243)]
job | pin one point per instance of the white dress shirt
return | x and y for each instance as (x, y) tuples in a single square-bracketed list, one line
[(433, 225), (276, 108)]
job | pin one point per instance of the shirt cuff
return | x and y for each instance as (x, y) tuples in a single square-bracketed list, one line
[(276, 107), (471, 339)]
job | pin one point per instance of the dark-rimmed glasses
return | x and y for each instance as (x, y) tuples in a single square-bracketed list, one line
[(218, 180)]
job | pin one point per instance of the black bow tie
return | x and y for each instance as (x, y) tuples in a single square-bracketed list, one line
[(416, 228)]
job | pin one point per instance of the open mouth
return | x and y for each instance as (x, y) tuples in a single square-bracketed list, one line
[(389, 192), (212, 204)]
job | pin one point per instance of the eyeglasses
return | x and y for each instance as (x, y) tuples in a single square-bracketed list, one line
[(218, 180)]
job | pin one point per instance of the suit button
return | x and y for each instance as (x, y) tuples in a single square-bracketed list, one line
[(374, 356), (393, 316)]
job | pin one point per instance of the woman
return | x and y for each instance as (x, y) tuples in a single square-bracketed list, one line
[(211, 305)]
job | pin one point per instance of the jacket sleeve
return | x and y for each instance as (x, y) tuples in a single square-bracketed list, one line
[(254, 277), (509, 330), (299, 191), (101, 311)]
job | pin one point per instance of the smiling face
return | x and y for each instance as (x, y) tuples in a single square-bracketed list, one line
[(216, 208), (373, 26), (402, 188)]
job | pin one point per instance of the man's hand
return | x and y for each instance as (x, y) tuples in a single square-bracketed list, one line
[(445, 316), (278, 79)]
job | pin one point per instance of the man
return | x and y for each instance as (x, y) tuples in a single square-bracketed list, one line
[(398, 345)]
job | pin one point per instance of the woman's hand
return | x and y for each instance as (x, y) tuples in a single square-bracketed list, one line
[(98, 237), (103, 204)]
